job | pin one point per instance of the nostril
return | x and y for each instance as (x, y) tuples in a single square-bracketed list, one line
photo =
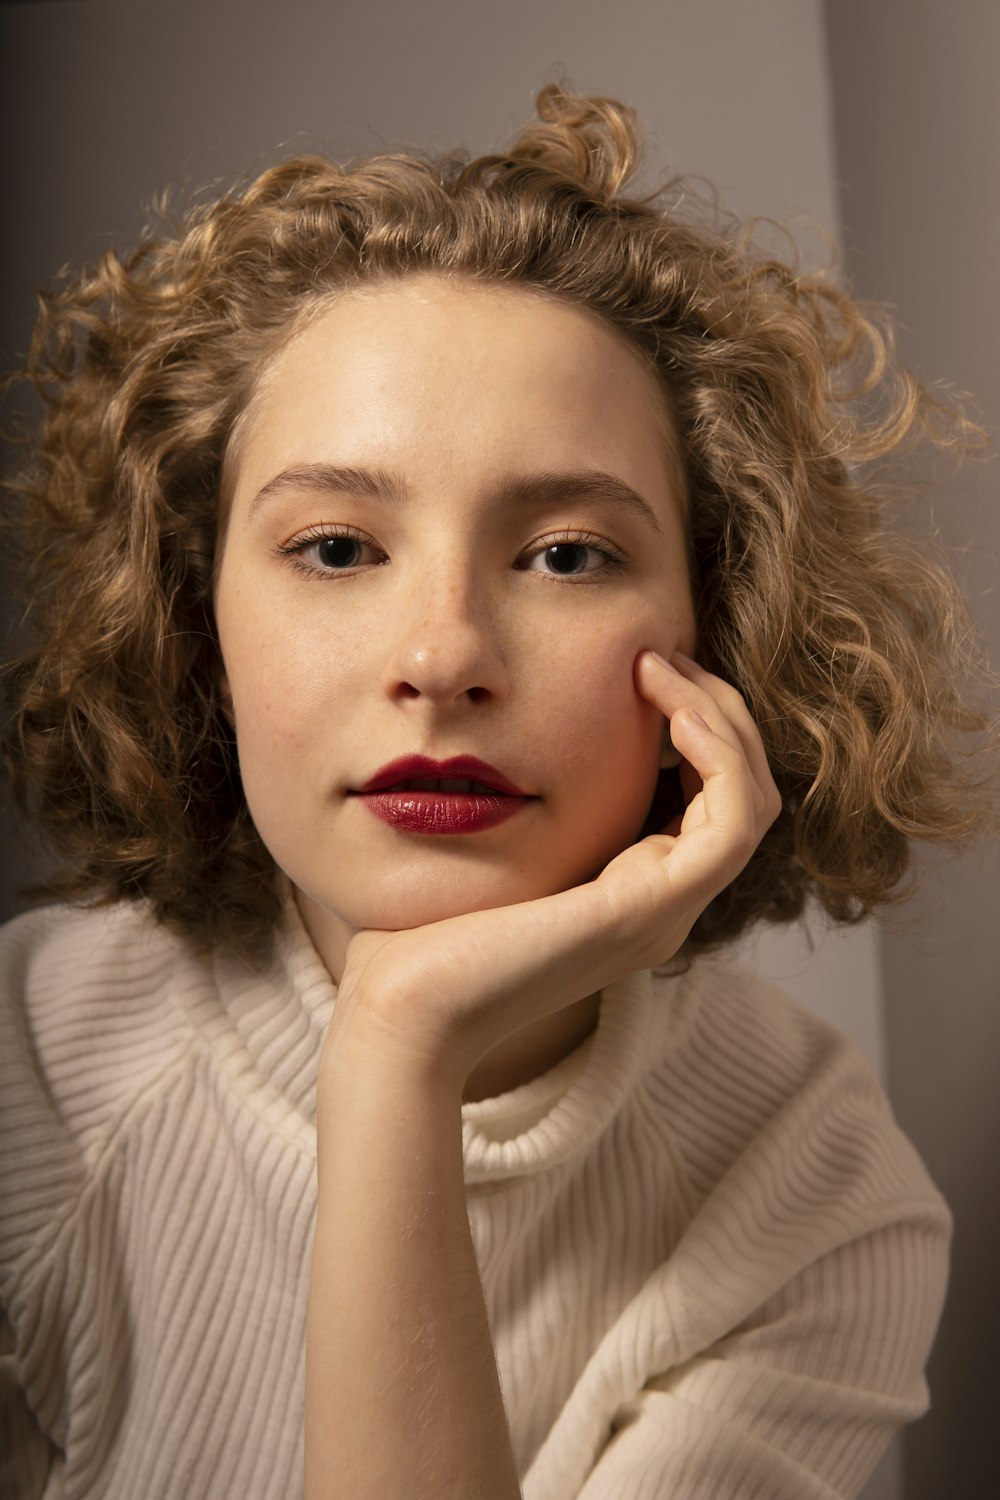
[(477, 694)]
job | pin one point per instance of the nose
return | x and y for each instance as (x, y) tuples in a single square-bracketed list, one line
[(446, 644)]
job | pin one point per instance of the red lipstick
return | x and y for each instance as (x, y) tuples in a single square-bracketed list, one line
[(462, 795)]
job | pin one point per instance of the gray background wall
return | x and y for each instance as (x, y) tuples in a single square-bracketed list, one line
[(918, 162), (882, 113)]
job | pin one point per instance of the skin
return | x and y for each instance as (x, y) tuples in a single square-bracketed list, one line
[(448, 633), (466, 964)]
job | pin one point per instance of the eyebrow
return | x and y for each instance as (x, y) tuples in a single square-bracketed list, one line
[(546, 487)]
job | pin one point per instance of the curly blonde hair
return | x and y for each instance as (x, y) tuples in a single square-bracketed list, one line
[(849, 644)]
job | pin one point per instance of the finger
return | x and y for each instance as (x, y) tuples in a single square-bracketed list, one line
[(682, 683), (722, 826), (722, 792), (672, 691), (733, 705)]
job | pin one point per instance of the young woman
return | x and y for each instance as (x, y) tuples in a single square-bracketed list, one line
[(459, 613)]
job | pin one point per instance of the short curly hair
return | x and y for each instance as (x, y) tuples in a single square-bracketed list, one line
[(849, 644)]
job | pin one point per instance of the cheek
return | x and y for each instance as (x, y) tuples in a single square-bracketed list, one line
[(611, 735), (274, 689)]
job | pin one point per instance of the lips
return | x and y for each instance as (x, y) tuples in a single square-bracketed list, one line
[(400, 775), (462, 795)]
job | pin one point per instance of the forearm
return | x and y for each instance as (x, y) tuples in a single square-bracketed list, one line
[(403, 1397)]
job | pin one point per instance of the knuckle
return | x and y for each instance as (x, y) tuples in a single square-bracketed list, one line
[(773, 803), (743, 837), (748, 842), (730, 698), (736, 698)]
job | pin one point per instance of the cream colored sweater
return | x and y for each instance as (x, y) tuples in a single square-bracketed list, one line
[(713, 1266)]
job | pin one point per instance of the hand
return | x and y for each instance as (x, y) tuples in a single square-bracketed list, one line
[(444, 995)]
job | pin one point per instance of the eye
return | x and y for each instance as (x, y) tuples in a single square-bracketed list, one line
[(327, 551), (337, 552), (571, 556)]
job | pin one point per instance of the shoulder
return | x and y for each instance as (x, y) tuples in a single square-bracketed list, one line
[(81, 986), (62, 945), (775, 1104), (815, 1236), (88, 1020), (731, 1033)]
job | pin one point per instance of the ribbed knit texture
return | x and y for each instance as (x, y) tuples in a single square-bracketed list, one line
[(712, 1264)]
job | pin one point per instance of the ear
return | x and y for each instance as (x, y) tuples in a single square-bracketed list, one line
[(668, 755)]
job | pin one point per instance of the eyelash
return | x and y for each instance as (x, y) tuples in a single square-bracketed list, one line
[(292, 552), (613, 558)]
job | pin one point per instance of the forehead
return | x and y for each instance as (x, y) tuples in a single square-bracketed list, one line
[(443, 369)]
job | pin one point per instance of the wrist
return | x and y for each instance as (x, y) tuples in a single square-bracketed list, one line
[(368, 1070)]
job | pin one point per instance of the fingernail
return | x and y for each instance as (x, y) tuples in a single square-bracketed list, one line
[(662, 660), (688, 661), (696, 716)]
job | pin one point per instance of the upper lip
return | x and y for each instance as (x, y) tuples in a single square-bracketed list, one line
[(458, 768)]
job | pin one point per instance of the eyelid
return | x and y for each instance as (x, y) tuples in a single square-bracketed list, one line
[(294, 549), (614, 556)]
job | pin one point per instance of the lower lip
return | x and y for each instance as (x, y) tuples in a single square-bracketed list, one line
[(442, 812)]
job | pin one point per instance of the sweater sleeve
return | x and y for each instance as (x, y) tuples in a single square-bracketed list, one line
[(63, 1087), (41, 1174), (778, 1341), (30, 1465), (799, 1402)]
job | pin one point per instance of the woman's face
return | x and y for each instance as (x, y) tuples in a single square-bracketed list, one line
[(455, 523)]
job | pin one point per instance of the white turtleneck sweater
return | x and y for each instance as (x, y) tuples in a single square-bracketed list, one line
[(712, 1264)]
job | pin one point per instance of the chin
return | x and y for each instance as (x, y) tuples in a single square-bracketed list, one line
[(414, 900), (399, 912), (396, 896)]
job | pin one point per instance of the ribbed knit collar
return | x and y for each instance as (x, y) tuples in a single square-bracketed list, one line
[(282, 1015), (562, 1112)]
